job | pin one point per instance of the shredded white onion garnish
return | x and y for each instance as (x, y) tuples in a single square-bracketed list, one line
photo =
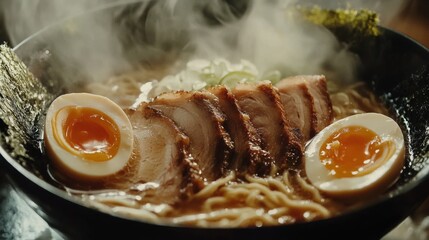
[(203, 73)]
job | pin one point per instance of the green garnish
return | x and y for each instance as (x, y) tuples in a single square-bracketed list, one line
[(348, 25)]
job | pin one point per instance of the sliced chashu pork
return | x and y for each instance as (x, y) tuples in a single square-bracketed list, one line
[(164, 155), (201, 119), (248, 155), (262, 103), (307, 103)]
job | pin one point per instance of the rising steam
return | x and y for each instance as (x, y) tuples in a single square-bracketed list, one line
[(267, 33)]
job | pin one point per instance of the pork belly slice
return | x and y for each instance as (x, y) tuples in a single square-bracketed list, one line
[(262, 103), (201, 119), (307, 103), (297, 103), (165, 159), (248, 156)]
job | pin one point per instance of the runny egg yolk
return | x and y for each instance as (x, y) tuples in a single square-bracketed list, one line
[(352, 151), (90, 132)]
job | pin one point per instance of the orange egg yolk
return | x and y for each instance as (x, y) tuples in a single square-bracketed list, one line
[(352, 151), (93, 134)]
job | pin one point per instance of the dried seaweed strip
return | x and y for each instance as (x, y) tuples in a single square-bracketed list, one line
[(354, 27), (22, 101)]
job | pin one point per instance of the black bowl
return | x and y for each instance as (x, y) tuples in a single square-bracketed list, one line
[(397, 69)]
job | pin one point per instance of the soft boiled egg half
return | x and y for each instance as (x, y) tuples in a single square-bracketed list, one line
[(88, 137), (358, 156)]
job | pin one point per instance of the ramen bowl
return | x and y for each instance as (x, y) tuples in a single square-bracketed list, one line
[(393, 65)]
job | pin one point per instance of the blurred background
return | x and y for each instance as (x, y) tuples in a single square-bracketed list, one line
[(20, 19)]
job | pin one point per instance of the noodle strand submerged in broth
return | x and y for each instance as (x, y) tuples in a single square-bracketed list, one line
[(228, 203)]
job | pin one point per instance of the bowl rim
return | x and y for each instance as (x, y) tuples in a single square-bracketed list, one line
[(421, 176), (52, 25)]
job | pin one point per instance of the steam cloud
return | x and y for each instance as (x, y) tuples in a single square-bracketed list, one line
[(99, 45)]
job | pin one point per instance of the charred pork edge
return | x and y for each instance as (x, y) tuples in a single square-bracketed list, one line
[(254, 159), (260, 159), (304, 84), (330, 114), (192, 180), (225, 145), (292, 141), (315, 121)]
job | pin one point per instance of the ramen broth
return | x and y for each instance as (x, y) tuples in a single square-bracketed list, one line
[(231, 201)]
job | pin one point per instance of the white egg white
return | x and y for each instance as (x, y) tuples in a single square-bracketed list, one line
[(65, 158), (370, 184)]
